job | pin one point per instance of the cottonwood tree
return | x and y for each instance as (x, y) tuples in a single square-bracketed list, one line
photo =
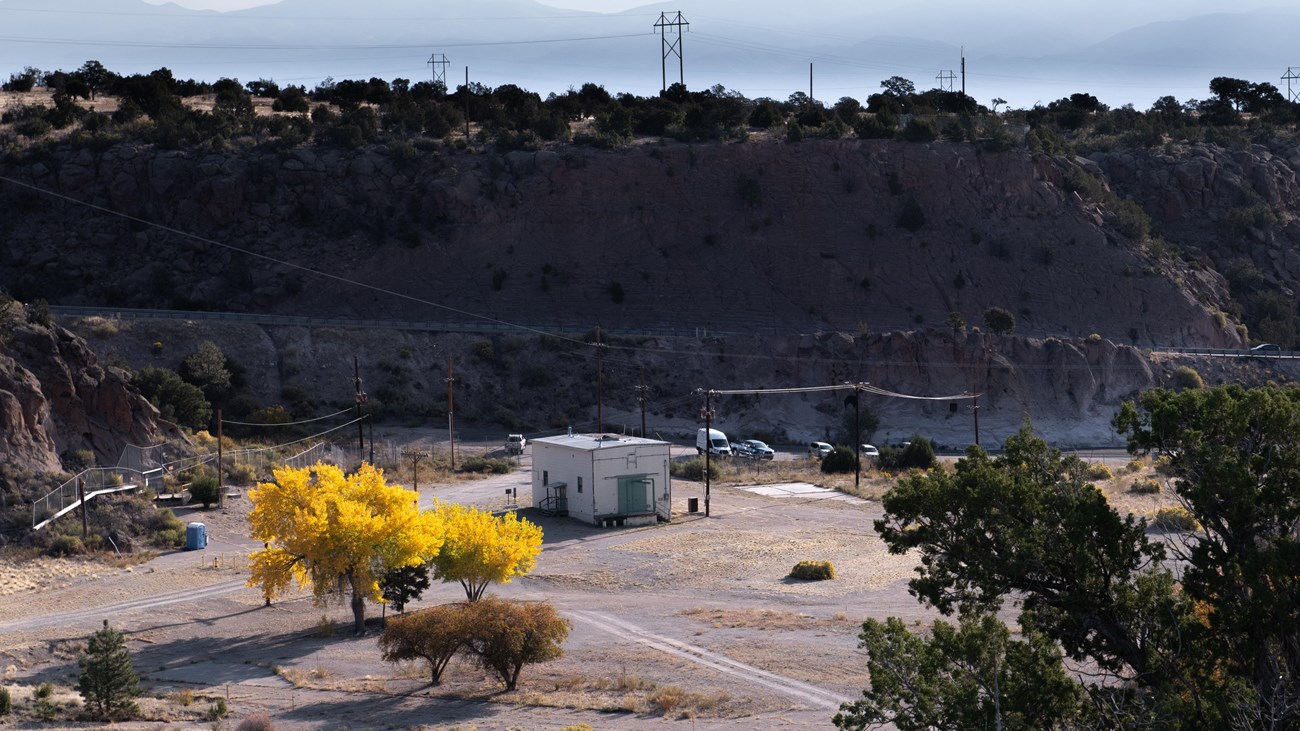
[(108, 682), (479, 548), (327, 530)]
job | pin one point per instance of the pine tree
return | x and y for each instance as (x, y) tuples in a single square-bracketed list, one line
[(108, 683)]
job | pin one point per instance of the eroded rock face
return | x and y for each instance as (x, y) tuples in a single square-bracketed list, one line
[(750, 238), (55, 398)]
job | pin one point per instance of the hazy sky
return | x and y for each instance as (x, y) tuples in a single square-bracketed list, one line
[(611, 6)]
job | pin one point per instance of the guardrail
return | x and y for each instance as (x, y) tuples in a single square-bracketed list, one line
[(1233, 352)]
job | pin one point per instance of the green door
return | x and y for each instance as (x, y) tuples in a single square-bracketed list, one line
[(634, 495)]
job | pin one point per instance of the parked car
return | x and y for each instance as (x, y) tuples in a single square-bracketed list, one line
[(754, 449), (1267, 348), (870, 452), (818, 450)]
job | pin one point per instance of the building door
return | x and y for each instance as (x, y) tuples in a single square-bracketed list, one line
[(634, 495)]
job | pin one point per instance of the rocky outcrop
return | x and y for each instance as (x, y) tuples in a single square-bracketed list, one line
[(55, 399), (744, 237)]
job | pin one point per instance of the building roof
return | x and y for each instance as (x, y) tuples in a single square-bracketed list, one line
[(591, 442)]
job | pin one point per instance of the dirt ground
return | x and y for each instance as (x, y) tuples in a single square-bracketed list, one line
[(687, 624)]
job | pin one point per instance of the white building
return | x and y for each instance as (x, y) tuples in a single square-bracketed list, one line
[(603, 480)]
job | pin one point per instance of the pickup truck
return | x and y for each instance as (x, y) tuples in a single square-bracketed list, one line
[(515, 444)]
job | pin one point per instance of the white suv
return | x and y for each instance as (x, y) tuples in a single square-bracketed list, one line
[(819, 450)]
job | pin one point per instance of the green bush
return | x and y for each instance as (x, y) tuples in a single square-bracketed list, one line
[(1164, 465), (169, 538), (66, 546), (911, 217), (813, 571), (486, 465), (242, 473), (693, 469), (917, 454), (1099, 471), (1186, 377), (1175, 517), (205, 489), (1145, 487), (6, 702), (999, 321), (841, 459)]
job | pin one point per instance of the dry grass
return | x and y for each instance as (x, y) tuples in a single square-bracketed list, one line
[(627, 693), (764, 619)]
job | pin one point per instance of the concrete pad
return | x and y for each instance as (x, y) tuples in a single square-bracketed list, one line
[(802, 491)]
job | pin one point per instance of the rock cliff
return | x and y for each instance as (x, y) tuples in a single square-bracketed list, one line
[(754, 238), (56, 401)]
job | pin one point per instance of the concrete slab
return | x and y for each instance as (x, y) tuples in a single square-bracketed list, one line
[(802, 491)]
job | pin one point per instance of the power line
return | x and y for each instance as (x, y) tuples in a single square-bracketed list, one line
[(281, 262), (289, 423)]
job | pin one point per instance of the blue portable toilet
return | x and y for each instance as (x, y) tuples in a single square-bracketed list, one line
[(196, 537)]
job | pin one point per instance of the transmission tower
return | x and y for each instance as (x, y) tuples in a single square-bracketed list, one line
[(945, 79), (1292, 95), (438, 62), (672, 46)]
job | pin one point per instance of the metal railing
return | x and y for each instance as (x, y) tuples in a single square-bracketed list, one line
[(89, 483), (1233, 352)]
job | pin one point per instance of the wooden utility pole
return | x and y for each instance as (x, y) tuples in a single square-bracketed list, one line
[(361, 398), (600, 421), (975, 409), (857, 438), (708, 445), (451, 420), (220, 492), (81, 496), (641, 391), (467, 105)]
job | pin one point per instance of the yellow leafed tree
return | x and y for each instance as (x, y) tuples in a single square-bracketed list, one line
[(480, 548), (327, 530)]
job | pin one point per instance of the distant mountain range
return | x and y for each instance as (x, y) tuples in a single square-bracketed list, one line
[(1123, 52)]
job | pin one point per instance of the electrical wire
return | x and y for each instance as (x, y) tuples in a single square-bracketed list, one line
[(281, 262), (287, 423)]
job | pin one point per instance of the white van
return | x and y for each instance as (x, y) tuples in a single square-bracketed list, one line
[(716, 444)]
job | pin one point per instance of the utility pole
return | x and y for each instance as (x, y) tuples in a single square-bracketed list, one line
[(975, 409), (600, 422), (810, 86), (857, 437), (451, 420), (361, 399), (467, 105), (81, 496), (963, 71), (707, 413), (220, 492), (416, 455), (641, 391), (1288, 77), (439, 62), (673, 47)]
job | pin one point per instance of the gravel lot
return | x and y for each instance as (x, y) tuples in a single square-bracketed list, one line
[(690, 624)]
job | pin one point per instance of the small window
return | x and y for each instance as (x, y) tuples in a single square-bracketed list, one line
[(579, 485), (546, 479)]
